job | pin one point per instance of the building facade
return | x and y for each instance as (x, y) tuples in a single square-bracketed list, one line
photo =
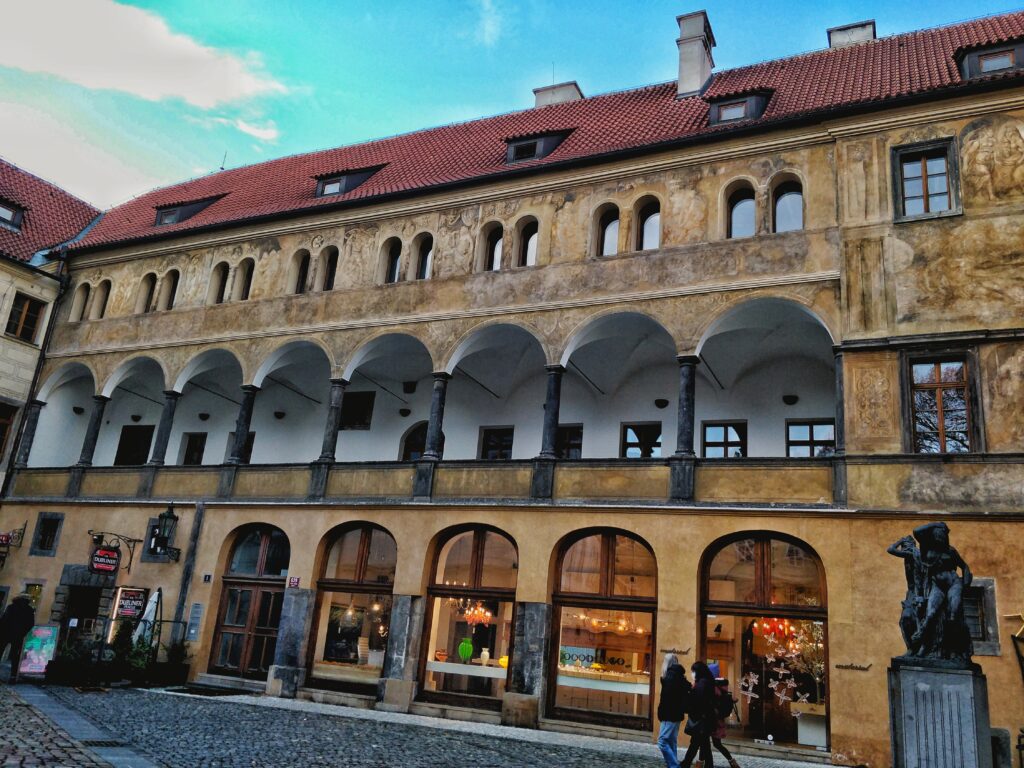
[(481, 421)]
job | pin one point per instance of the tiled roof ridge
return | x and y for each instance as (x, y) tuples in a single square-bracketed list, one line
[(46, 181)]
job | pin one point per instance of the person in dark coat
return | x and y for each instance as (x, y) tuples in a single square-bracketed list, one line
[(702, 717), (675, 690), (16, 622)]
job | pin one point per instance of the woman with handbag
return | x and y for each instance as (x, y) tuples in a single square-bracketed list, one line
[(702, 718), (675, 690)]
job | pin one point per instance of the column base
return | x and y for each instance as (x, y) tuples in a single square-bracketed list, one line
[(681, 478), (395, 695), (423, 481), (284, 682), (319, 470), (542, 485), (146, 479), (839, 487), (226, 484), (520, 710), (75, 480)]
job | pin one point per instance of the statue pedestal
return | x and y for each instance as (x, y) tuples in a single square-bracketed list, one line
[(938, 713)]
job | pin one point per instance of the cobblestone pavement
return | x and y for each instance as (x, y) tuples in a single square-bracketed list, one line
[(27, 738)]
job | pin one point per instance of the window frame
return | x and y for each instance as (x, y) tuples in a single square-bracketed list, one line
[(496, 428), (989, 645), (564, 443), (950, 147), (982, 58), (8, 416), (543, 145), (367, 396), (20, 322), (359, 583), (975, 414), (17, 215), (623, 447), (346, 180), (37, 551), (811, 442), (789, 186), (726, 424), (754, 105), (742, 193)]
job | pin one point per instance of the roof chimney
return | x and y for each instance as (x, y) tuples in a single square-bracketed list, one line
[(849, 34), (695, 43), (557, 94)]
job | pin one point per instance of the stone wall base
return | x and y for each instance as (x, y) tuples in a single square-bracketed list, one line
[(520, 710), (396, 695), (284, 682)]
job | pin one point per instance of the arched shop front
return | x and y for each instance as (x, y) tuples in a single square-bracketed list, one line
[(764, 612)]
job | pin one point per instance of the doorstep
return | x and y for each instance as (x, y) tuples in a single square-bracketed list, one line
[(337, 698), (778, 752), (595, 730), (451, 712), (224, 681)]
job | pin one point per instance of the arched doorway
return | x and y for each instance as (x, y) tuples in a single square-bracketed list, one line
[(605, 604), (354, 609), (470, 618), (250, 604), (764, 613)]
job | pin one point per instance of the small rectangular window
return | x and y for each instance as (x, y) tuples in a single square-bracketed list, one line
[(810, 438), (993, 62), (357, 410), (525, 151), (737, 110), (724, 439), (925, 180), (193, 446), (641, 441), (974, 613), (47, 534), (331, 187), (7, 414), (496, 443), (941, 406), (26, 314), (133, 447), (10, 215), (169, 216), (569, 441)]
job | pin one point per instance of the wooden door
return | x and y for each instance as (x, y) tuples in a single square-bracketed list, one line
[(247, 624)]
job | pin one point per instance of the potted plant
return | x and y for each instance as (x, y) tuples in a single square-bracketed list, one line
[(173, 671)]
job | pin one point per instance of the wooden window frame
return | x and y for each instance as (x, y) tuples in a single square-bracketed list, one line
[(20, 314), (949, 148), (623, 446), (358, 583), (704, 443), (968, 384), (560, 443), (811, 442), (495, 428)]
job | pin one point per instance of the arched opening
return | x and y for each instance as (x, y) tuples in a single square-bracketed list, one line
[(424, 257), (204, 419), (218, 284), (468, 640), (494, 406), (328, 268), (764, 618), (492, 244), (626, 410), (144, 298), (99, 301), (353, 613), (766, 383), (415, 441), (606, 233), (647, 215), (391, 260), (741, 212), (79, 303), (252, 595), (136, 392), (605, 605), (242, 285), (787, 206), (168, 291), (299, 273), (529, 237), (63, 421)]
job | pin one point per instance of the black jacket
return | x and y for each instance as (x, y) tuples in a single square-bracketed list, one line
[(675, 690), (18, 619), (702, 699)]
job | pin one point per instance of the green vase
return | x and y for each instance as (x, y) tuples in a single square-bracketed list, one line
[(466, 649)]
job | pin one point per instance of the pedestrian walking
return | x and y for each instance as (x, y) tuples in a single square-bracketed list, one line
[(675, 691), (701, 718), (16, 622), (724, 703)]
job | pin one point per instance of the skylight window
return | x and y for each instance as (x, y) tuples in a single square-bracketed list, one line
[(523, 148), (10, 215), (340, 182)]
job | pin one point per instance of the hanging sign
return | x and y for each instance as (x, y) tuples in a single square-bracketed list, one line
[(131, 602), (105, 560)]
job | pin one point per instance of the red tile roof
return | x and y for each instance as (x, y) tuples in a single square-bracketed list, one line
[(865, 74), (51, 215)]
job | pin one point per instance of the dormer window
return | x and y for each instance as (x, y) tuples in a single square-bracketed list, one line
[(737, 110), (981, 62), (10, 215), (338, 183), (523, 148), (174, 214), (734, 108), (993, 62)]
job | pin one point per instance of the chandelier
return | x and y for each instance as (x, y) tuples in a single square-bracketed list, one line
[(620, 626), (477, 615)]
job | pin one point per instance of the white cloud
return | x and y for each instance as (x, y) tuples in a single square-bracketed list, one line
[(52, 149), (102, 44), (267, 132), (488, 28)]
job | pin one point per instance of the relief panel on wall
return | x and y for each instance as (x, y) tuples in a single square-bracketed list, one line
[(1002, 371), (872, 403), (993, 160)]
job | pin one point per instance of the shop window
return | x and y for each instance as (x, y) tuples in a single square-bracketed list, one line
[(788, 207), (764, 615), (425, 258), (133, 447), (493, 244), (724, 439), (925, 180), (641, 441), (46, 536), (193, 446), (357, 410), (529, 234), (25, 318), (496, 443), (941, 406), (469, 622), (648, 224), (35, 593), (810, 438), (569, 441), (608, 231), (605, 608), (7, 414), (354, 609), (741, 213)]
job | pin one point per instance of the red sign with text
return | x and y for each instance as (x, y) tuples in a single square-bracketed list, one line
[(105, 560)]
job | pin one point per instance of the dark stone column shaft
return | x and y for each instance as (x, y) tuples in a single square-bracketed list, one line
[(687, 397), (242, 424), (333, 419), (28, 434), (552, 403), (92, 433), (840, 488), (434, 427), (163, 432)]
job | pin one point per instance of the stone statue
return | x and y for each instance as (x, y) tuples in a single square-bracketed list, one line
[(932, 620)]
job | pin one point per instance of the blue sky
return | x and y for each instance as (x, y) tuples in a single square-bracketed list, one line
[(111, 99)]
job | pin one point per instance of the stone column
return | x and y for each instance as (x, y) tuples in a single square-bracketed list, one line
[(242, 423), (433, 449), (522, 704), (163, 432), (397, 686), (92, 433), (551, 405), (288, 672), (839, 486), (333, 419), (681, 464), (28, 433)]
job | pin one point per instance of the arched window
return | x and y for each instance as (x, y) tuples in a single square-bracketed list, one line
[(493, 245), (763, 611), (144, 299), (99, 301), (648, 225), (788, 207), (469, 627), (79, 303), (424, 258), (251, 600), (328, 267), (242, 284), (605, 604), (415, 442), (741, 213), (218, 284), (168, 291), (354, 607), (529, 234), (392, 256), (300, 272), (608, 231)]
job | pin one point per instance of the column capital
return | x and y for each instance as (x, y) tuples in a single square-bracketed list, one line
[(33, 403), (100, 398), (688, 359), (339, 382), (441, 375), (555, 368), (250, 388), (172, 394)]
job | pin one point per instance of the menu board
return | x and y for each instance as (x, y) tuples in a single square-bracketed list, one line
[(40, 647)]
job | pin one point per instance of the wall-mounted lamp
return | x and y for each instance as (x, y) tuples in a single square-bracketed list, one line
[(790, 399), (408, 387), (661, 403), (77, 410), (403, 412), (279, 415), (204, 417), (161, 533), (136, 418)]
